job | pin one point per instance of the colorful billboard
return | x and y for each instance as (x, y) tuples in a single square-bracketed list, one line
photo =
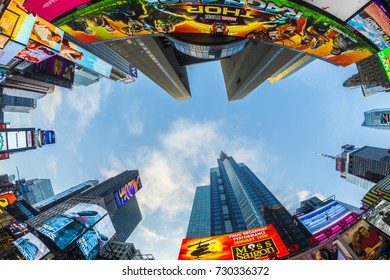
[(7, 199), (332, 250), (75, 53), (379, 217), (57, 67), (255, 244), (31, 247), (384, 58), (10, 50), (51, 9), (96, 238), (342, 9), (385, 118), (124, 193), (364, 241), (373, 24), (380, 190), (35, 52), (321, 218), (280, 22), (67, 227), (47, 34)]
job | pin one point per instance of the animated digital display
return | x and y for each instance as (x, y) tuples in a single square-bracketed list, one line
[(255, 244), (331, 250), (31, 247), (16, 140), (384, 58), (126, 192), (379, 217)]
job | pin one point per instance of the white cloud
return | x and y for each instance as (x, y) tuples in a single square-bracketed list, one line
[(86, 101), (134, 121), (148, 234), (49, 106)]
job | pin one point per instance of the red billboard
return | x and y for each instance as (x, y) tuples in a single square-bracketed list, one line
[(280, 22), (256, 244)]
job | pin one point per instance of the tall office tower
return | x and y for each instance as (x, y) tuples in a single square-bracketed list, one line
[(62, 196), (377, 118), (17, 104), (371, 77), (119, 196), (122, 251), (245, 64), (236, 200), (35, 190), (364, 166)]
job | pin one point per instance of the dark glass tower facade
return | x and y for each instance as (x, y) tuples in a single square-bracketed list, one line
[(236, 200), (126, 217)]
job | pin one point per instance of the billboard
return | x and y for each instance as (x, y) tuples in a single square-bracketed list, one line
[(47, 34), (342, 9), (96, 238), (321, 218), (77, 54), (280, 22), (340, 164), (373, 23), (35, 52), (16, 140), (7, 199), (385, 118), (69, 226), (380, 190), (384, 58), (379, 217), (332, 250), (255, 244), (31, 247), (364, 241), (9, 51), (124, 193), (57, 67)]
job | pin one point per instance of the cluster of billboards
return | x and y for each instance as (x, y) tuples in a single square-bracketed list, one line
[(338, 33), (30, 37), (255, 244), (88, 225)]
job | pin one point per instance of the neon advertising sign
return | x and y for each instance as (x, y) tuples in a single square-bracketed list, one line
[(125, 193)]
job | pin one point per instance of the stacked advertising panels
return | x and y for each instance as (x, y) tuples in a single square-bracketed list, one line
[(31, 247), (256, 244), (341, 34), (29, 37), (327, 221), (86, 225)]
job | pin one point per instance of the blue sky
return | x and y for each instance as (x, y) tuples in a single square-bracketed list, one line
[(110, 127)]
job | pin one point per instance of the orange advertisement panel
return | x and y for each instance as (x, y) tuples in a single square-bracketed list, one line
[(256, 244), (6, 199)]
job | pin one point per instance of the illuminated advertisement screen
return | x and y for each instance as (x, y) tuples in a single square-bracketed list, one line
[(31, 247), (10, 50), (331, 250), (25, 22), (30, 139), (384, 57), (124, 193), (67, 227), (379, 217), (7, 199), (49, 10), (365, 241), (73, 52), (385, 119), (3, 141), (96, 238), (255, 244), (382, 189), (280, 22), (321, 218), (50, 137), (47, 34), (35, 52), (342, 9), (340, 164), (57, 67), (373, 24), (16, 140)]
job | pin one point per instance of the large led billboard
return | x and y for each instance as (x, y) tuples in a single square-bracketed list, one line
[(10, 50), (342, 9), (373, 23), (380, 190), (384, 58), (365, 241), (47, 34), (67, 227), (96, 238), (331, 250), (255, 244), (126, 192), (321, 218), (57, 67), (31, 247), (379, 217), (280, 22), (35, 52), (16, 140)]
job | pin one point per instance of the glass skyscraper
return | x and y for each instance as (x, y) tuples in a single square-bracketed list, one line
[(236, 200)]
